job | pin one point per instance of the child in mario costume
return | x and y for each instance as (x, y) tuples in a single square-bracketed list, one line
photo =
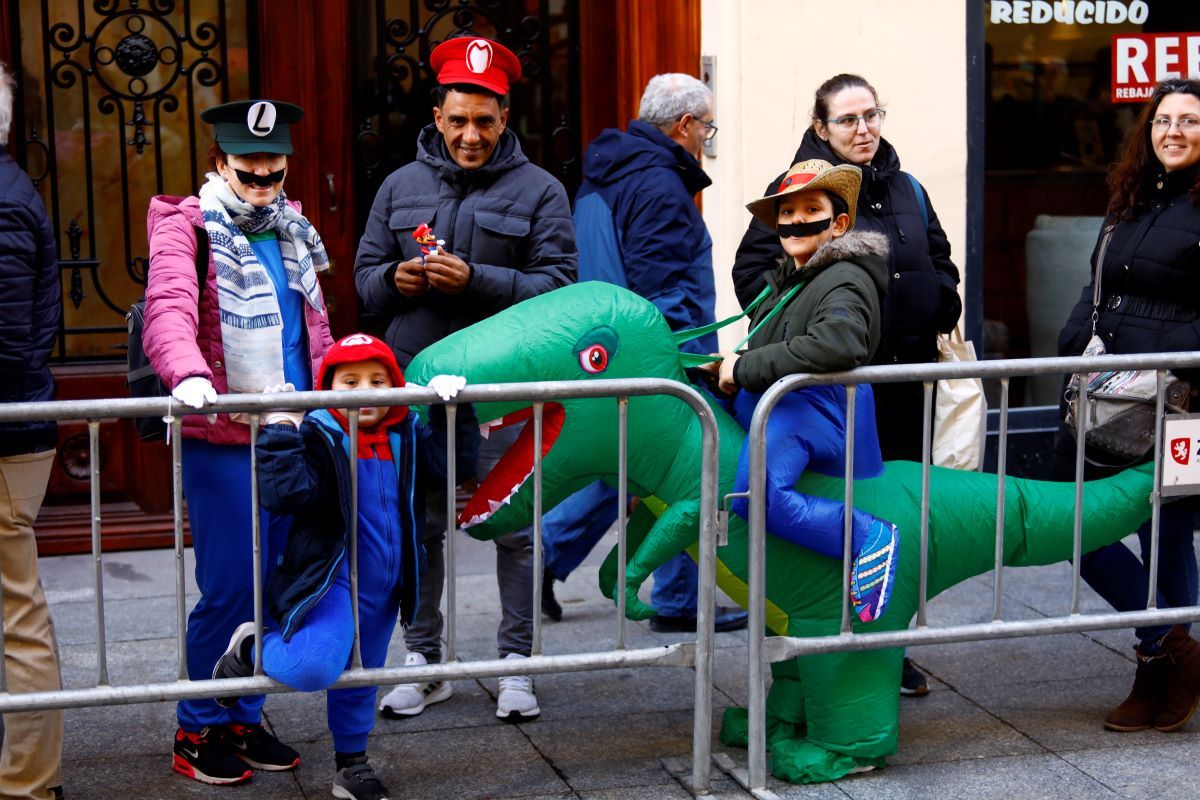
[(304, 471)]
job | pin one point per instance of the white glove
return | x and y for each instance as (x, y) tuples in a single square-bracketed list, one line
[(194, 391), (279, 416), (447, 386)]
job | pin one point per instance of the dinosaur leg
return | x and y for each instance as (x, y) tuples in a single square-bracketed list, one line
[(637, 526), (852, 706), (785, 710)]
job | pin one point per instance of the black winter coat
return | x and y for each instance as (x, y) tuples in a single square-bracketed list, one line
[(922, 296), (508, 219), (30, 307), (1150, 279)]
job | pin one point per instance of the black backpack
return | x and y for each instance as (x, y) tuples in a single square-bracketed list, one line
[(140, 376)]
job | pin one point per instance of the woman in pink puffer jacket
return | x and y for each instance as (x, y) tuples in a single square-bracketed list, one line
[(259, 322)]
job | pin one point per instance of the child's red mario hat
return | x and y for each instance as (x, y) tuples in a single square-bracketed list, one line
[(360, 347), (477, 61)]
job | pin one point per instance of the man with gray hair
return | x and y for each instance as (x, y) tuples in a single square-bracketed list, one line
[(31, 756), (637, 226)]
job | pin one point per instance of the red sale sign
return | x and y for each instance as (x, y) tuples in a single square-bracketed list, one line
[(1139, 61)]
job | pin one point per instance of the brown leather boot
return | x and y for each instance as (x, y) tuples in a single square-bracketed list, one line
[(1137, 712), (1181, 680)]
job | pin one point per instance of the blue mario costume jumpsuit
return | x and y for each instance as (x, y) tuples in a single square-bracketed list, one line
[(306, 473)]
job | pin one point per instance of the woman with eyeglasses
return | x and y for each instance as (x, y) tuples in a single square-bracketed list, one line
[(922, 296), (233, 305), (1150, 303)]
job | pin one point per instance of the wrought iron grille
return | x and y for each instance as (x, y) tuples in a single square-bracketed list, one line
[(110, 94), (394, 101)]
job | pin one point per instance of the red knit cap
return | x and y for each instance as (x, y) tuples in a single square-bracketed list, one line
[(360, 347), (478, 61)]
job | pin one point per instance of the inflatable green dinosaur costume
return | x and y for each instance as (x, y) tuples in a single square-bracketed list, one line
[(829, 715)]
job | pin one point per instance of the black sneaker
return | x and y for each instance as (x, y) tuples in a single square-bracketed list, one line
[(912, 681), (358, 781), (207, 758), (237, 661), (259, 749), (727, 619)]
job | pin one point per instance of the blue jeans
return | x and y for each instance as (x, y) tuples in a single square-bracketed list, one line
[(572, 528), (1123, 580)]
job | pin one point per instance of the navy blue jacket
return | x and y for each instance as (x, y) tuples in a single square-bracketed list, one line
[(637, 225), (508, 219), (30, 307), (922, 294), (305, 473)]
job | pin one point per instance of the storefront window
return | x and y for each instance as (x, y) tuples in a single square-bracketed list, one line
[(1063, 84)]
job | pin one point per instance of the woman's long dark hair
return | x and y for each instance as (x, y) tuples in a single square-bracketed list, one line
[(1127, 180)]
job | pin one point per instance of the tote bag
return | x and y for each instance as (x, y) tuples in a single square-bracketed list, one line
[(960, 411)]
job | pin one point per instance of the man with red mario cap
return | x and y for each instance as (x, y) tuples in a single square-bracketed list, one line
[(504, 234)]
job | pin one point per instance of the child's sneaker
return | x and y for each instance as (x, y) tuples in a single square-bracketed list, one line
[(517, 701), (259, 749), (410, 699), (871, 571), (237, 661), (357, 781), (207, 758)]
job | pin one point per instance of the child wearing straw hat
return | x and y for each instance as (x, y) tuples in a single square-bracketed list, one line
[(819, 313)]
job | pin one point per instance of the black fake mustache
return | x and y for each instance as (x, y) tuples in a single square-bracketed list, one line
[(265, 181), (804, 229)]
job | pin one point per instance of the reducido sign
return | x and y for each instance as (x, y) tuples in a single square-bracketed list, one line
[(1139, 61), (1083, 12)]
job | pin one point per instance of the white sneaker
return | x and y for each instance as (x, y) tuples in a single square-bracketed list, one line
[(410, 699), (516, 701)]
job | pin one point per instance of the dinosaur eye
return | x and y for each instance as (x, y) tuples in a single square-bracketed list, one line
[(593, 359), (596, 348)]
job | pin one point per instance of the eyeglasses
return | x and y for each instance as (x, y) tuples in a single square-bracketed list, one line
[(873, 119), (710, 130), (1186, 124)]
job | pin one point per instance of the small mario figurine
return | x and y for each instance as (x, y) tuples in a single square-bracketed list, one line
[(427, 240)]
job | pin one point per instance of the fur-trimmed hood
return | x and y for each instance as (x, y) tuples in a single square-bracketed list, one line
[(847, 247)]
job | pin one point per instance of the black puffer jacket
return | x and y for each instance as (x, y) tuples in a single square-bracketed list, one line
[(922, 296), (1150, 282), (1150, 279), (509, 220), (30, 307)]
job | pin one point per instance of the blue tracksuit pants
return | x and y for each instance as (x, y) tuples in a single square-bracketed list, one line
[(216, 484)]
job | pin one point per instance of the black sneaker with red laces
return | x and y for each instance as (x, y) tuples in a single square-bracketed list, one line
[(206, 757), (259, 749)]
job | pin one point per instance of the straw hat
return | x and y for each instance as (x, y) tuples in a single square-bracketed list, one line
[(843, 180)]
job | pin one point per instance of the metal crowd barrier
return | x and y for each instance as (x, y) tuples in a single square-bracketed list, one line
[(764, 649), (697, 654)]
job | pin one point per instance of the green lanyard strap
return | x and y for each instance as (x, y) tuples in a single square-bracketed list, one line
[(697, 359)]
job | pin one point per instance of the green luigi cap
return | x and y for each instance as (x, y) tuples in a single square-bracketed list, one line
[(253, 126)]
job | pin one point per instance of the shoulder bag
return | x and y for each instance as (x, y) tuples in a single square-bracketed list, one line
[(1119, 405)]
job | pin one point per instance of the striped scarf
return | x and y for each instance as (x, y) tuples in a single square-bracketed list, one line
[(251, 322)]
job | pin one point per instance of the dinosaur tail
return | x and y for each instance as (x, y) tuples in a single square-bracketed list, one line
[(1039, 520)]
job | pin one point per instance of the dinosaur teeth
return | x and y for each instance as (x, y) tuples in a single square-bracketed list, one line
[(494, 506)]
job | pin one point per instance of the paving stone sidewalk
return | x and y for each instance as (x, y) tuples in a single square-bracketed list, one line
[(1007, 719)]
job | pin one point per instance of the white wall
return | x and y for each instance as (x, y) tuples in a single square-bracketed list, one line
[(770, 57)]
